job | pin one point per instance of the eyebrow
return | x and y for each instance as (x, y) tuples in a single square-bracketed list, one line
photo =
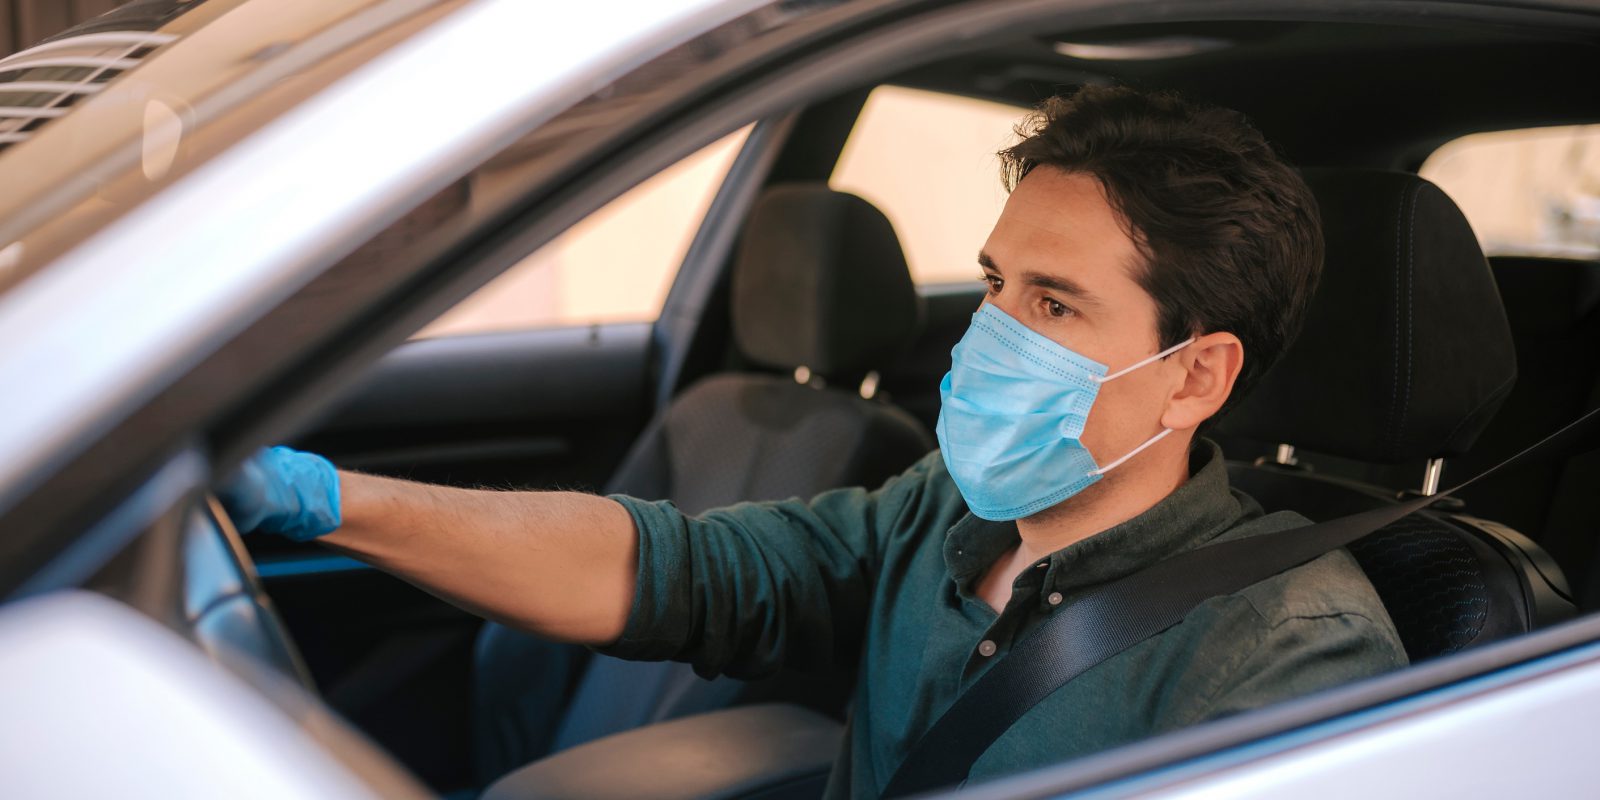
[(1053, 282)]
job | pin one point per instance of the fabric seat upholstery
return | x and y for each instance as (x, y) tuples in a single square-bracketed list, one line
[(819, 283)]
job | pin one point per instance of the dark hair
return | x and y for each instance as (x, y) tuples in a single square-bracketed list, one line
[(1229, 232)]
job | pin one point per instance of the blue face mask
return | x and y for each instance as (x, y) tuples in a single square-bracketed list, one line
[(1011, 427)]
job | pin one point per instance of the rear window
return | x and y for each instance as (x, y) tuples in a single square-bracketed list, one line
[(927, 159), (1533, 192)]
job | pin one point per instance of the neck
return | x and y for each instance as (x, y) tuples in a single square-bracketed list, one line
[(1123, 494)]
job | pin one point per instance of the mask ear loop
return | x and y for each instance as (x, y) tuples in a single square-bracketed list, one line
[(1164, 431), (1157, 357), (1131, 453)]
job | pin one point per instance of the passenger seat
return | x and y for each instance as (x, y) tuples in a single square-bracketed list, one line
[(1405, 357), (820, 294)]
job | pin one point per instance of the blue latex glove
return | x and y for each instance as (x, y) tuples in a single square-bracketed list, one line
[(283, 491)]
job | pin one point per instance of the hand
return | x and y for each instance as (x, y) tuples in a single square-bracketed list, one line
[(284, 491)]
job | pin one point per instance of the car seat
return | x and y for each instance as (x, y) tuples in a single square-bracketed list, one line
[(820, 291), (1553, 306), (1405, 357)]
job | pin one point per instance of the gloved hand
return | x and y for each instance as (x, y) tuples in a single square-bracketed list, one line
[(283, 491)]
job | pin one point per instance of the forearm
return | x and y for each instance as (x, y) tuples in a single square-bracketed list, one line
[(559, 564)]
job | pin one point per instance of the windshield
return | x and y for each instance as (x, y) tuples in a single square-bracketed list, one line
[(45, 81), (96, 119)]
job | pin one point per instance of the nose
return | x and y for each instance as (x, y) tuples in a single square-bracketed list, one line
[(1001, 302)]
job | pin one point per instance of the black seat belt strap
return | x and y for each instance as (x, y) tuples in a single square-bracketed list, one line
[(1118, 615)]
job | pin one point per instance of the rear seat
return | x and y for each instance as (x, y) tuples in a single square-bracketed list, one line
[(1553, 306)]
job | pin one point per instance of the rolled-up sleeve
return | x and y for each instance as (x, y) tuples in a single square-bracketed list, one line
[(747, 589)]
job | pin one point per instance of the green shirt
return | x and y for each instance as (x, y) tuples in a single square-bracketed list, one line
[(886, 580)]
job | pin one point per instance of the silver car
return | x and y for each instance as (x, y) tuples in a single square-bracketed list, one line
[(485, 242)]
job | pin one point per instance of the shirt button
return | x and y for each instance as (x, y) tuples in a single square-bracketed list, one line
[(1054, 598), (986, 648)]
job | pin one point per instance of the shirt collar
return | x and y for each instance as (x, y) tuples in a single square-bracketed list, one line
[(1193, 514)]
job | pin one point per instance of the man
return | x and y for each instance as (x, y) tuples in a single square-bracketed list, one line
[(1153, 260)]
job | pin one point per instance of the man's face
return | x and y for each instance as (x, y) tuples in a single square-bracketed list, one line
[(1060, 262)]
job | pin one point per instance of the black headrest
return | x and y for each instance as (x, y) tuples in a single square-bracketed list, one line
[(821, 282), (1405, 353)]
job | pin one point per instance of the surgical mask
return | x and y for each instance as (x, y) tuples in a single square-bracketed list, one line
[(1015, 405)]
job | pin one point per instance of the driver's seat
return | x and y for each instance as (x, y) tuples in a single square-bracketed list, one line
[(1405, 357), (821, 294)]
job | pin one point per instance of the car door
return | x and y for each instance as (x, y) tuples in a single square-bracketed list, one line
[(539, 380)]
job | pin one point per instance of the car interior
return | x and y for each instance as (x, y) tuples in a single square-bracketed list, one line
[(820, 290), (816, 359)]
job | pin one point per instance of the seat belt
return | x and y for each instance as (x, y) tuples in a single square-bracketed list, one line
[(1118, 615)]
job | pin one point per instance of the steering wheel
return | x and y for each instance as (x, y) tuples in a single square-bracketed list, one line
[(228, 612)]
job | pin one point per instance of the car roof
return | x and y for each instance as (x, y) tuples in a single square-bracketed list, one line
[(1326, 92)]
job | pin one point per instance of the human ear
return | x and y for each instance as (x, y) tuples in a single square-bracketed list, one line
[(1210, 366)]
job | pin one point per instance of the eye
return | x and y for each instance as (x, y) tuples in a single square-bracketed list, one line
[(996, 283), (1055, 308)]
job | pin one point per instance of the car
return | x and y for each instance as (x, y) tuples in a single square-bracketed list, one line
[(487, 242)]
